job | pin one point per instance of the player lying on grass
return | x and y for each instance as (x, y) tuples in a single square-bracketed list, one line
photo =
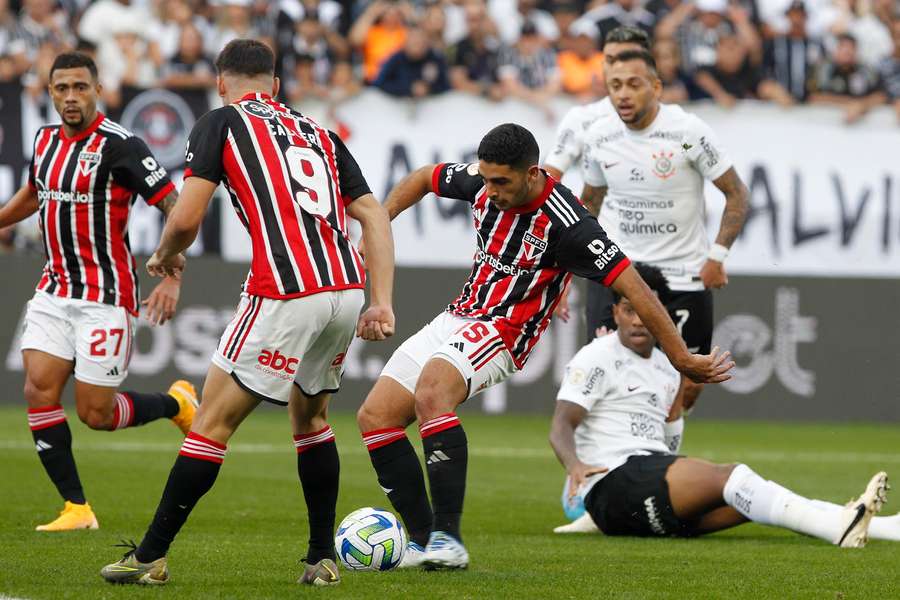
[(608, 432)]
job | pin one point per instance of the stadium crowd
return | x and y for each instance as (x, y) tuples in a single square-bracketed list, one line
[(844, 52)]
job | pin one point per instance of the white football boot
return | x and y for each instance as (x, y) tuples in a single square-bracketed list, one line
[(444, 552), (583, 524), (412, 556), (858, 513)]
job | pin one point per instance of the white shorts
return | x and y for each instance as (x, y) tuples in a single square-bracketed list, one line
[(473, 347), (96, 336), (273, 344)]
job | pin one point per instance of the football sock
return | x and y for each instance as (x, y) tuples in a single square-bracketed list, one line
[(446, 458), (319, 469), (400, 476), (193, 475), (766, 502), (880, 528), (134, 408), (53, 441), (674, 433)]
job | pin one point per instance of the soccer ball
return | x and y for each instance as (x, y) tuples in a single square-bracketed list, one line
[(370, 539)]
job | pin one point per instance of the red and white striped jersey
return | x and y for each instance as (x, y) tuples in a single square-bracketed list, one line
[(86, 186), (525, 256), (290, 181)]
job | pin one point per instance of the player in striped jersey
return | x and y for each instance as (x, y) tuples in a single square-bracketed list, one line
[(293, 185), (533, 233), (84, 176)]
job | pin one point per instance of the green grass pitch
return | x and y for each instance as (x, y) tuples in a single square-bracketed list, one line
[(246, 536)]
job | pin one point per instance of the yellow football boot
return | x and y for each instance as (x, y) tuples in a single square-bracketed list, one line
[(73, 516), (186, 396)]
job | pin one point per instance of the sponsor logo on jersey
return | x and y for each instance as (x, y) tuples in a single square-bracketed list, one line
[(534, 246), (636, 175), (674, 136), (63, 196), (576, 376), (88, 161), (593, 378), (498, 265), (339, 359), (712, 155), (163, 120), (663, 167), (257, 109), (653, 516), (273, 362)]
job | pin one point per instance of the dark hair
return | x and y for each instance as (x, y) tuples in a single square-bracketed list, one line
[(627, 35), (246, 57), (509, 144), (846, 37), (642, 55), (74, 60), (654, 279)]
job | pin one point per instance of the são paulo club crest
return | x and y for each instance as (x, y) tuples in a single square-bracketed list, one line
[(663, 167), (162, 119)]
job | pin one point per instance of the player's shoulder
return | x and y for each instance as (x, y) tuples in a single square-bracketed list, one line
[(114, 132), (688, 122), (605, 128), (563, 207), (598, 351)]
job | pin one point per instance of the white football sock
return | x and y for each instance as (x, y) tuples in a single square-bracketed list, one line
[(766, 502), (674, 432), (880, 528)]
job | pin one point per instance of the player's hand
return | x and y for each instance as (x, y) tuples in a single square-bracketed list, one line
[(579, 473), (376, 323), (160, 304), (713, 275), (562, 309), (169, 267), (707, 368)]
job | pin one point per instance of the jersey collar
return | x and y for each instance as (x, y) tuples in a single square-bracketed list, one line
[(82, 135), (537, 202), (256, 96)]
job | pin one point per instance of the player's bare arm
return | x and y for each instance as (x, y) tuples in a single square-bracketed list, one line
[(566, 418), (376, 322), (22, 205), (182, 226), (592, 198), (736, 194), (711, 368), (167, 204), (410, 190), (161, 303)]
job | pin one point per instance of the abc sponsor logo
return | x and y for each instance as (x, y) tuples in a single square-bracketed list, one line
[(273, 362)]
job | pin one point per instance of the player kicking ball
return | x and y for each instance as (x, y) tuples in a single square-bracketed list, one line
[(533, 233), (84, 177), (608, 431)]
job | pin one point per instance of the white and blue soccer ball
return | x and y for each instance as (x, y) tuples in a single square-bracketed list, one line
[(370, 539)]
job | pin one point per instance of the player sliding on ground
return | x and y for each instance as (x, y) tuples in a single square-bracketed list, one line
[(532, 233), (608, 431), (84, 177), (294, 185)]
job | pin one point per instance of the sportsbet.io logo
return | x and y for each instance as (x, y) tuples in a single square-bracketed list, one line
[(163, 120), (257, 109)]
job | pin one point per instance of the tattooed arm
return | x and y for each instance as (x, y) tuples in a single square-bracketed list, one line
[(167, 203), (713, 272), (592, 198), (160, 304)]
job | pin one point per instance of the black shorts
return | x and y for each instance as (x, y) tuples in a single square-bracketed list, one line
[(633, 499), (692, 313)]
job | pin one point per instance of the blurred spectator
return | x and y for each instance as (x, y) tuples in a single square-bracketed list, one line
[(677, 87), (581, 67), (791, 58), (13, 58), (821, 15), (474, 60), (615, 13), (44, 30), (189, 68), (234, 19), (379, 33), (857, 18), (735, 76), (566, 13), (843, 81), (416, 71), (305, 85), (889, 69), (511, 15), (172, 17), (324, 46), (528, 70), (100, 19), (124, 61), (434, 23)]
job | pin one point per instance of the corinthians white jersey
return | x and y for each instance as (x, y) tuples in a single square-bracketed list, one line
[(627, 397), (654, 207), (570, 134)]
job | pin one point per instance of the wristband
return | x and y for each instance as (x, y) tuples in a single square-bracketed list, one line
[(718, 253)]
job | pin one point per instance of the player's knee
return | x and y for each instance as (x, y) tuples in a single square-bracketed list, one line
[(38, 396), (368, 419), (429, 400), (95, 419)]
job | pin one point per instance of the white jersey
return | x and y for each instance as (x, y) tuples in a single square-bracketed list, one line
[(654, 207), (570, 134), (628, 399)]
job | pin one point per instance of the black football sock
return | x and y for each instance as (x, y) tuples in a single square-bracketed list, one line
[(193, 474), (53, 441), (446, 458), (135, 408), (400, 476), (319, 469)]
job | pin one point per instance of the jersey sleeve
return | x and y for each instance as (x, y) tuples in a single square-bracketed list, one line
[(591, 171), (352, 182), (704, 150), (203, 155), (567, 146), (584, 382), (459, 181), (586, 251), (135, 168)]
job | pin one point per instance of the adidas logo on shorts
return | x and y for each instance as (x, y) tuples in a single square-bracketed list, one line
[(113, 372)]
